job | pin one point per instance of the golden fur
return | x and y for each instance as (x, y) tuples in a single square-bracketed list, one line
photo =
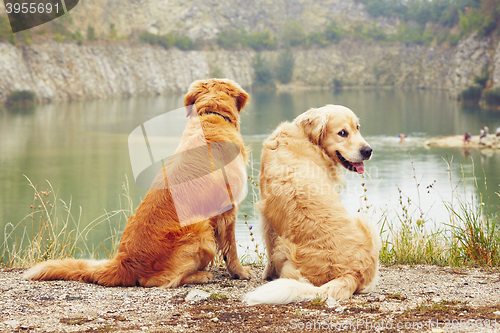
[(155, 250), (314, 246)]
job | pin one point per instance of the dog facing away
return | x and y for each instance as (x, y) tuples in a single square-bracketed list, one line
[(155, 248), (314, 247)]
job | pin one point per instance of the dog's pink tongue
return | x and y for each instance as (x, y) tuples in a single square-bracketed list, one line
[(360, 167)]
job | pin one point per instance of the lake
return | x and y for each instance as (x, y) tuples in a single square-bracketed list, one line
[(81, 148)]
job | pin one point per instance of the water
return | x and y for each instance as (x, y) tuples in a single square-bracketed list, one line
[(81, 148)]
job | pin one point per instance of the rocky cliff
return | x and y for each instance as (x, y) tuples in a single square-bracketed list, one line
[(56, 71)]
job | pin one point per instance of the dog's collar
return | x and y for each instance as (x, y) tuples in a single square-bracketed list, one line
[(216, 113)]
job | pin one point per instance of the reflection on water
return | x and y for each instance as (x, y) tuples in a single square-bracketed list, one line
[(81, 148)]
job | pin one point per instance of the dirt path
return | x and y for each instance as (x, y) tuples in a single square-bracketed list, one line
[(408, 299)]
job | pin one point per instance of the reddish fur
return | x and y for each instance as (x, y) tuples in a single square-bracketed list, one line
[(154, 249)]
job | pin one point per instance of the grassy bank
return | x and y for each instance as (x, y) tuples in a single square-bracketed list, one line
[(52, 231), (468, 236)]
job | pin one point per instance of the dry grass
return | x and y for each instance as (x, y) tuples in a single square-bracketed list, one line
[(469, 237), (51, 231)]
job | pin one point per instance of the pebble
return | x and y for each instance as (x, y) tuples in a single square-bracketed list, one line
[(332, 303), (340, 309), (11, 323), (196, 295)]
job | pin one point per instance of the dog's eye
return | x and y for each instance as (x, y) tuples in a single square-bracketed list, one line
[(357, 127), (343, 133)]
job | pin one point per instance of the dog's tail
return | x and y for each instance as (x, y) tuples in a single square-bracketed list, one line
[(283, 291), (107, 273)]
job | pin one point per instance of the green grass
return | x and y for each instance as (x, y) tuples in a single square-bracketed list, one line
[(469, 237)]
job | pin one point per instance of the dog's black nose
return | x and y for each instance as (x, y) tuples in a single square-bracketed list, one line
[(366, 152)]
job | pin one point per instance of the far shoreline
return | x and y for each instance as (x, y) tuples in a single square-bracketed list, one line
[(491, 141)]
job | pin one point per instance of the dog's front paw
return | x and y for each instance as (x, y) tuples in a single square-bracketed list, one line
[(241, 273)]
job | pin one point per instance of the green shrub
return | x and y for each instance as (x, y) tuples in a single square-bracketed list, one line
[(263, 73), (489, 24), (376, 8), (58, 38), (492, 97), (409, 34), (184, 43), (316, 38), (442, 36), (21, 98), (293, 34), (230, 38), (6, 32), (77, 36), (284, 66), (359, 31), (428, 36), (217, 72), (91, 33), (453, 39), (376, 33), (482, 80), (333, 32), (148, 38), (166, 41), (471, 94), (260, 41), (24, 37), (337, 84), (113, 34), (471, 21)]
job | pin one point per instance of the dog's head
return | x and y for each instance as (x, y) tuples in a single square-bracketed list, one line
[(223, 96), (335, 129)]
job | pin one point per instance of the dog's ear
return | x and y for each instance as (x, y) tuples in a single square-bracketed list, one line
[(195, 90), (313, 123), (241, 100)]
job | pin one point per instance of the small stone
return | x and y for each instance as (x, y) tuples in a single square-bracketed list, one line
[(332, 303), (100, 320), (215, 320), (340, 309), (12, 323), (196, 295), (496, 313)]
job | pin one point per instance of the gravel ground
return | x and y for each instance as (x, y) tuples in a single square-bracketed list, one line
[(418, 298)]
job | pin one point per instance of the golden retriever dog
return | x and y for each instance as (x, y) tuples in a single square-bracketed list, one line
[(314, 246), (155, 248)]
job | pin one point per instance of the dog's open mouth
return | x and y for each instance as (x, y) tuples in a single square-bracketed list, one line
[(358, 167)]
